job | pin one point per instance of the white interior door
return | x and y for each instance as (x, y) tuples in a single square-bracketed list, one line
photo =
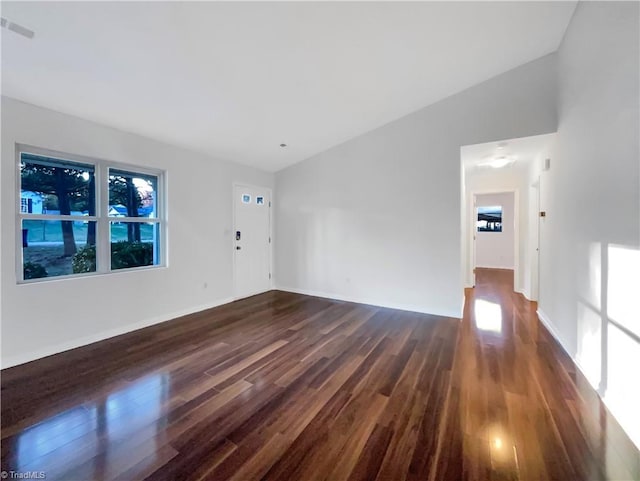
[(251, 240), (535, 240)]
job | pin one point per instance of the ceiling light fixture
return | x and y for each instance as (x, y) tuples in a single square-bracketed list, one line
[(14, 27), (283, 145), (500, 162)]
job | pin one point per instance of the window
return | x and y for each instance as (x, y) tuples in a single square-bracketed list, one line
[(489, 219), (134, 225), (78, 217)]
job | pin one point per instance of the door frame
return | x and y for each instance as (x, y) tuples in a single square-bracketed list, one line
[(234, 202), (471, 209)]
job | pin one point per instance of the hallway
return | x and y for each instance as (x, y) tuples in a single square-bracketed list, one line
[(525, 411)]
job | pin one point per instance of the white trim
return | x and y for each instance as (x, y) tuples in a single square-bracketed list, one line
[(17, 223), (526, 294), (141, 220), (546, 321), (548, 324), (470, 274), (371, 302), (256, 293), (71, 217), (86, 340)]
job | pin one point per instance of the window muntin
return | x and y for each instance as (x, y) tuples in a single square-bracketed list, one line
[(66, 221)]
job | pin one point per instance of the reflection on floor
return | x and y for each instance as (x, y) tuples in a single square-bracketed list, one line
[(285, 386), (526, 400)]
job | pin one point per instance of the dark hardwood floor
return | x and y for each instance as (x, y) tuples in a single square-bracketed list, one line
[(285, 386)]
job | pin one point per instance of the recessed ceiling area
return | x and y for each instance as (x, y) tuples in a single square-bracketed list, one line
[(518, 152), (233, 79)]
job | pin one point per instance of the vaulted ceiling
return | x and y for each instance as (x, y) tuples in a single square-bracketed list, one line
[(235, 79)]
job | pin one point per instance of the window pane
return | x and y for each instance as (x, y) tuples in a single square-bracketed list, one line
[(134, 244), (132, 195), (54, 186), (52, 248)]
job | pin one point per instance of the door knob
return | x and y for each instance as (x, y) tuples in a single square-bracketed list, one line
[(238, 248)]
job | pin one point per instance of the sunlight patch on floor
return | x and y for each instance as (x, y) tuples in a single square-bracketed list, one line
[(488, 315)]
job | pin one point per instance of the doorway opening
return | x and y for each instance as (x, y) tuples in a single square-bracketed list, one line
[(491, 237), (495, 233)]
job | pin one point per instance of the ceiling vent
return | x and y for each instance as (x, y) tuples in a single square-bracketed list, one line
[(16, 28)]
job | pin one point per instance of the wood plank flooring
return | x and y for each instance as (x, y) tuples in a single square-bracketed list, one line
[(285, 386)]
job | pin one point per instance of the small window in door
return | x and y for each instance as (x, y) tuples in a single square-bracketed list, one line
[(489, 219), (246, 198), (260, 200)]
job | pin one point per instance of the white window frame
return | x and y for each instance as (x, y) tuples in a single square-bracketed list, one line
[(102, 219)]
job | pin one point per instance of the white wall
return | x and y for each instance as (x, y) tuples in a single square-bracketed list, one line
[(590, 238), (47, 317), (496, 249), (377, 219)]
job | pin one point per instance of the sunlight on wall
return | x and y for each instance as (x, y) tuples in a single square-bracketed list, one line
[(623, 392), (623, 285), (589, 274), (488, 315), (589, 347), (589, 311)]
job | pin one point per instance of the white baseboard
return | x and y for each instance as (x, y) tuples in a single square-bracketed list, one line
[(255, 293), (372, 302), (546, 321), (83, 341), (524, 292), (101, 336), (550, 327)]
